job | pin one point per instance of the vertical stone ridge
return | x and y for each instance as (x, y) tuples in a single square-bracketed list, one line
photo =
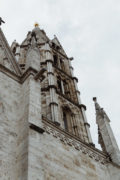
[(51, 82)]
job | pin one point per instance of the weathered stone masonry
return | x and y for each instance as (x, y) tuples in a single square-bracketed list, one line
[(44, 132)]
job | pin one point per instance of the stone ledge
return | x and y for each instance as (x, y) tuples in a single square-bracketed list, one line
[(9, 73), (36, 128), (19, 79), (71, 140)]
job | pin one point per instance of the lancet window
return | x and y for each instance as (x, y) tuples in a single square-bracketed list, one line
[(59, 85), (66, 89), (67, 119), (62, 65), (55, 59)]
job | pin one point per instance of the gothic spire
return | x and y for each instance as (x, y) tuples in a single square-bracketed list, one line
[(100, 111), (106, 136)]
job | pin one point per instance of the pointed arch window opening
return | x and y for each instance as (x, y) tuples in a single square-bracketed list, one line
[(65, 121), (59, 84), (62, 65), (63, 87), (55, 60), (53, 45), (66, 89), (59, 62), (75, 127)]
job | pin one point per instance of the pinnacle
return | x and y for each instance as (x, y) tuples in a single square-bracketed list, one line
[(97, 106), (94, 99)]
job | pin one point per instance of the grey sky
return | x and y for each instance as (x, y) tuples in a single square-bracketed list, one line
[(89, 30)]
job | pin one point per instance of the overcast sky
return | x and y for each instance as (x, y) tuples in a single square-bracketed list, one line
[(89, 30)]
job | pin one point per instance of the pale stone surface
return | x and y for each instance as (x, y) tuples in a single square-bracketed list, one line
[(13, 142), (32, 146), (106, 136), (50, 159)]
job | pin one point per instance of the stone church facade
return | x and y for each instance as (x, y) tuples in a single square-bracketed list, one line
[(44, 132)]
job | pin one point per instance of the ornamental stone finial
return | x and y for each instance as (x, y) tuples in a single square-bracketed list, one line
[(36, 24), (94, 99), (1, 21)]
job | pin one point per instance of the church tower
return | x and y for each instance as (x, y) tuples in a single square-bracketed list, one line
[(44, 132), (61, 103)]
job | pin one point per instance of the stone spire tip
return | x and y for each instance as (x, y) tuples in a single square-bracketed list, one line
[(36, 24), (94, 99)]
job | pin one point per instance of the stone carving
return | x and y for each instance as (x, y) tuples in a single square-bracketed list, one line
[(102, 158)]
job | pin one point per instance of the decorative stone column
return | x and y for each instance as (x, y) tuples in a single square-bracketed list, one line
[(52, 86)]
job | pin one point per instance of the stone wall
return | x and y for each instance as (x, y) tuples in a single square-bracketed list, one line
[(50, 159), (41, 156), (12, 136), (14, 106)]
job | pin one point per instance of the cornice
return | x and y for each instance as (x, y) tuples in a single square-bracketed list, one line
[(9, 73), (19, 79), (69, 139)]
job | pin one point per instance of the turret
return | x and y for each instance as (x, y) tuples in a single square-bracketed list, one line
[(106, 136), (33, 56)]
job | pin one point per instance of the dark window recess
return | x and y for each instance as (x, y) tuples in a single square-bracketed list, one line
[(22, 66), (14, 50), (55, 60), (59, 85), (57, 47), (65, 121), (53, 45)]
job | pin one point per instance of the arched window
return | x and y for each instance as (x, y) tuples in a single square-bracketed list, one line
[(67, 119), (53, 45), (66, 89)]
